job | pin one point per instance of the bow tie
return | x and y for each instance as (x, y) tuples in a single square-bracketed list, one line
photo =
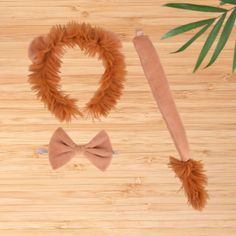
[(62, 149)]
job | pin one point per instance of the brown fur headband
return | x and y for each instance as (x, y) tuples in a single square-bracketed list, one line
[(45, 53)]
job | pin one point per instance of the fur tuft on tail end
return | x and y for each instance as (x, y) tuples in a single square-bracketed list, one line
[(193, 179)]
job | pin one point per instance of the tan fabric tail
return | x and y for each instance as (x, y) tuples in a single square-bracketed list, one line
[(189, 171)]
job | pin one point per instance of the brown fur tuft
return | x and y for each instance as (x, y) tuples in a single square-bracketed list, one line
[(45, 53), (193, 180)]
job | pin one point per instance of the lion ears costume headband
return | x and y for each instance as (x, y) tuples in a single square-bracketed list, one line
[(45, 53)]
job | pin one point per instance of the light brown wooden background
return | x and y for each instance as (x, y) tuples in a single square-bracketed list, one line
[(138, 195)]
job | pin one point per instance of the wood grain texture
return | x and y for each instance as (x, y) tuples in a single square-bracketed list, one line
[(138, 195)]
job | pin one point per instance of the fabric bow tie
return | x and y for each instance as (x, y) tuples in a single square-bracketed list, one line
[(62, 149)]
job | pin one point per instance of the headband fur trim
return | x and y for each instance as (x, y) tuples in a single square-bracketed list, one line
[(45, 53)]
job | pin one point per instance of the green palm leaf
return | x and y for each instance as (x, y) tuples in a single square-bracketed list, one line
[(195, 7), (234, 60), (224, 37), (195, 37), (211, 38), (187, 27), (229, 1)]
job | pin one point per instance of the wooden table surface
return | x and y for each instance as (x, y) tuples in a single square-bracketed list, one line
[(138, 195)]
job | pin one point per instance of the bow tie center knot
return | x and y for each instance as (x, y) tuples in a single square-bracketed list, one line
[(79, 149)]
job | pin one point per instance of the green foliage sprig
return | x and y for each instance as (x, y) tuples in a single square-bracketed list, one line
[(224, 21)]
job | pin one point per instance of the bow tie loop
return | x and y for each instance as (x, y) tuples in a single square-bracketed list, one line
[(79, 149)]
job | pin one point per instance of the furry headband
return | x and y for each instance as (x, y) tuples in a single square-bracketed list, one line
[(45, 53)]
